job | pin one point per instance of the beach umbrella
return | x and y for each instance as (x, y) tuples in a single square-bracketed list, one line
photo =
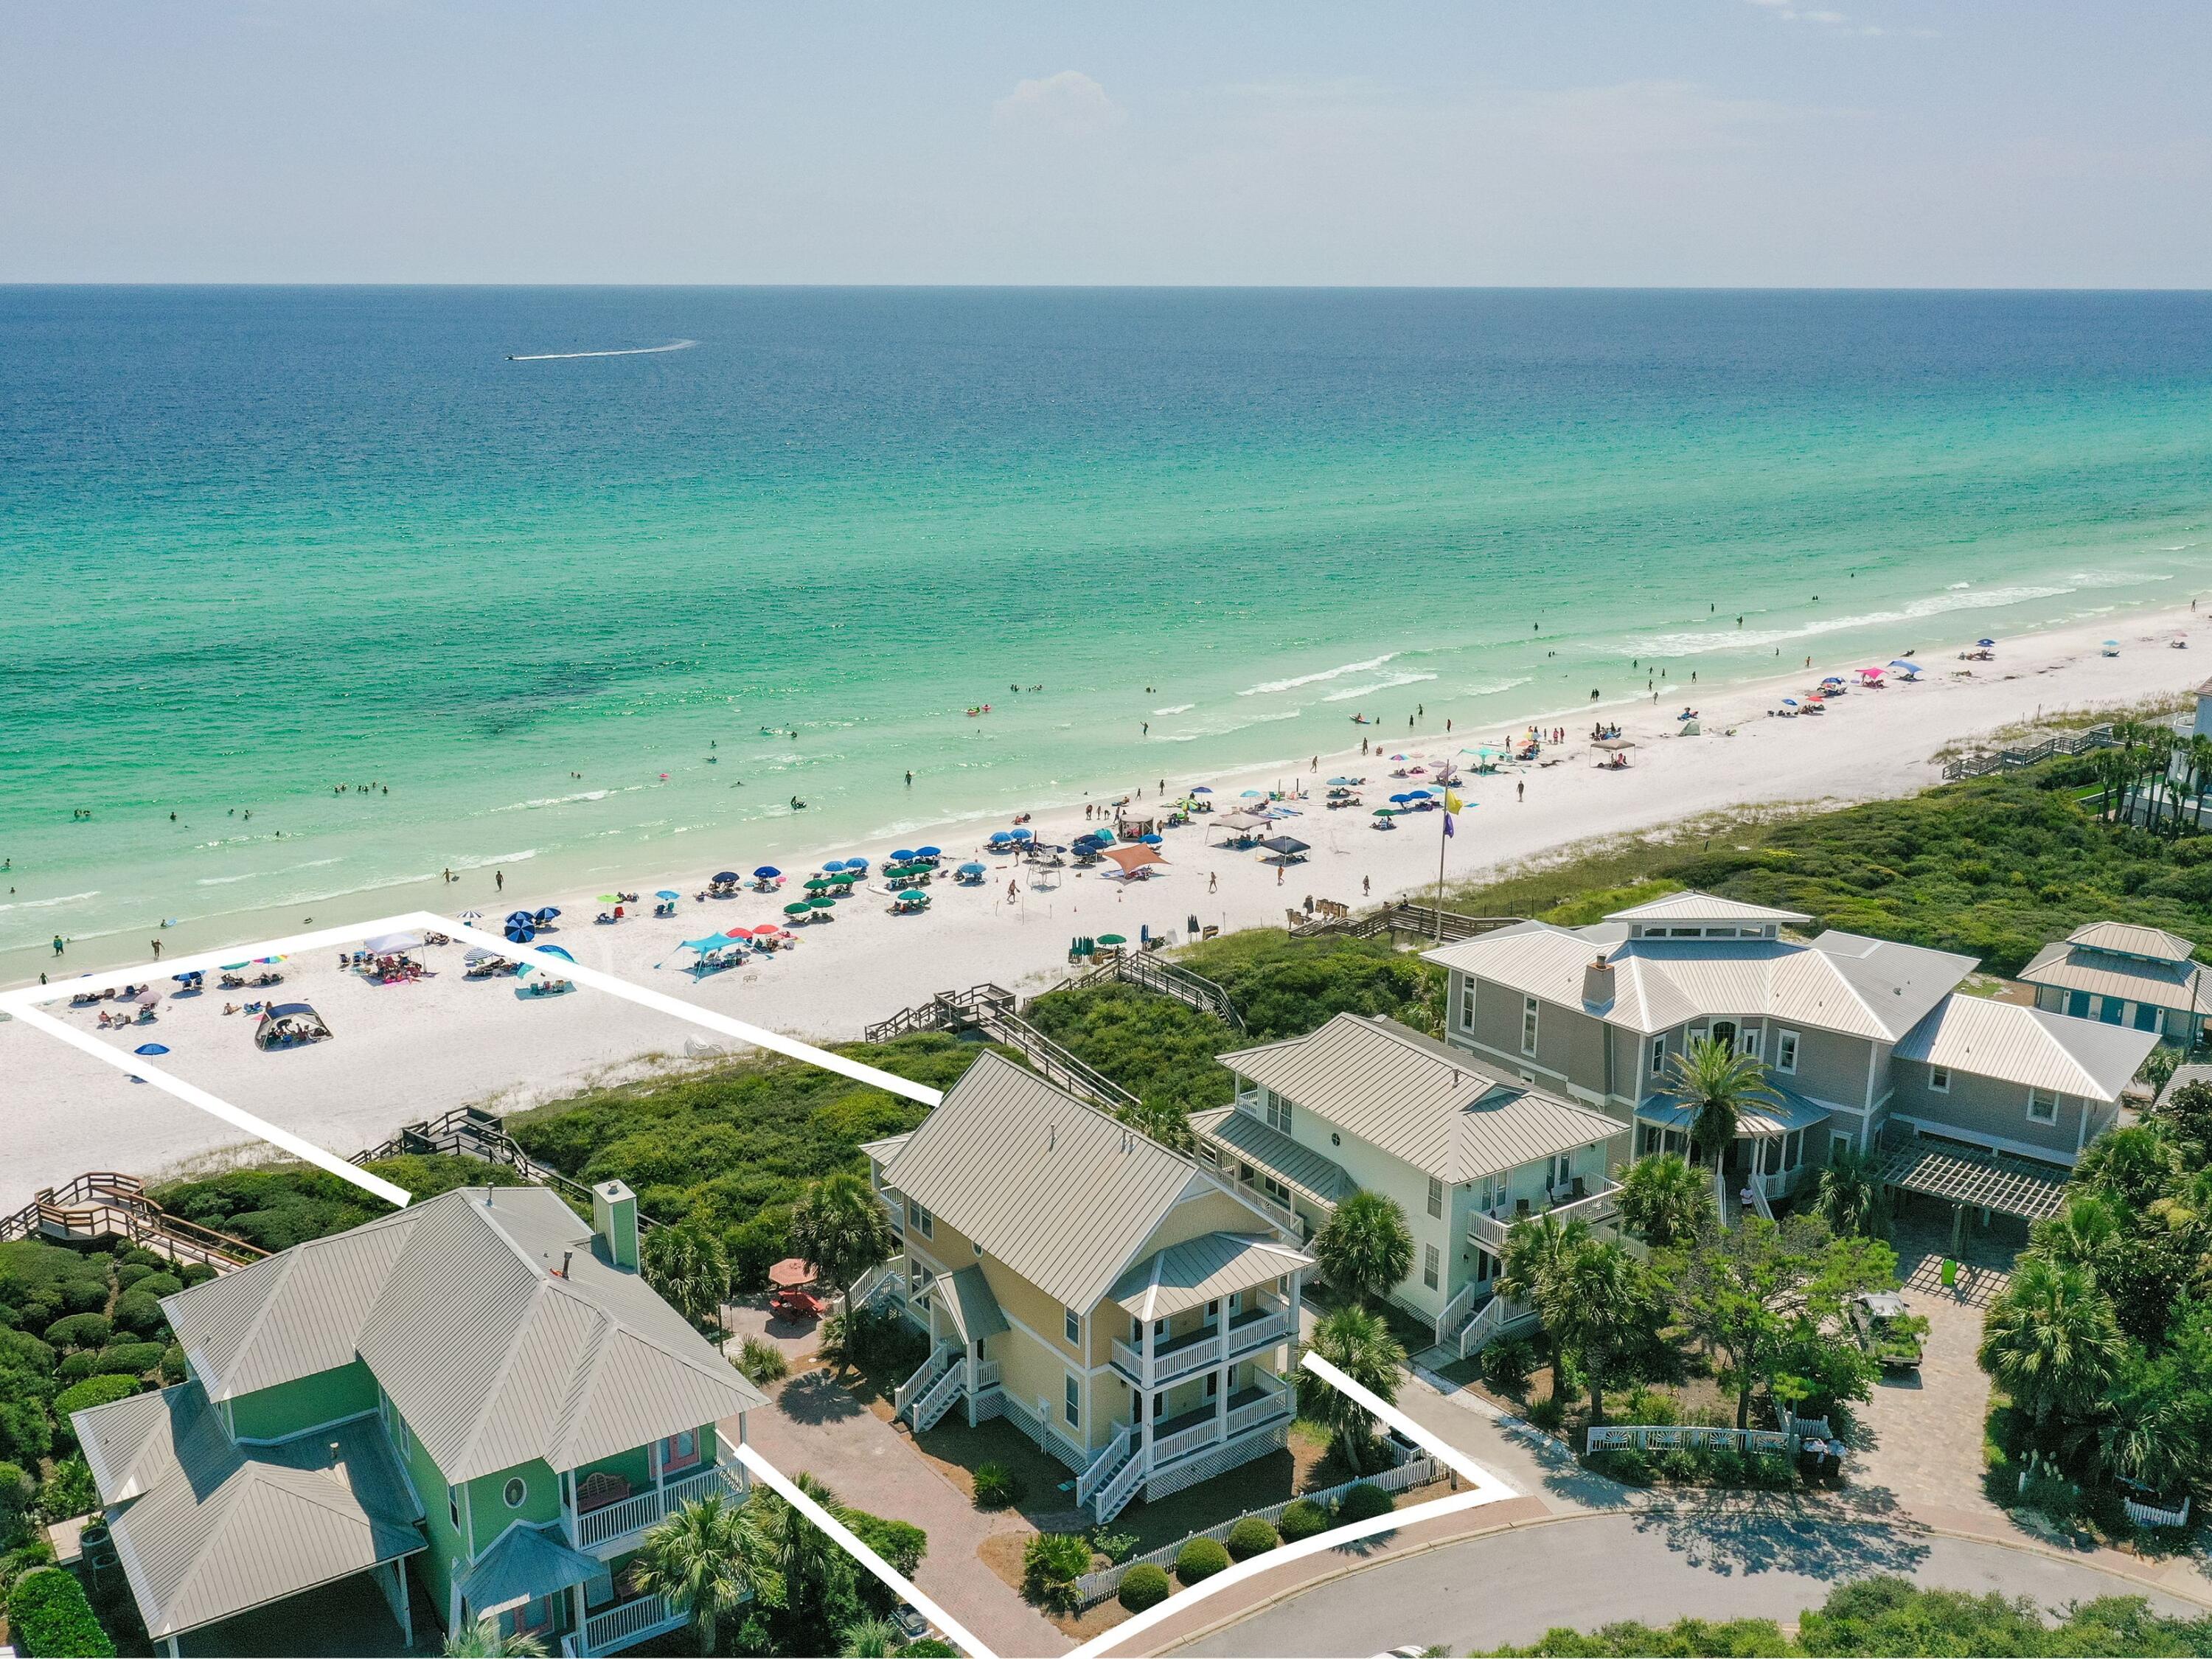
[(471, 916), (520, 919), (184, 978), (971, 869), (1791, 703), (385, 943), (610, 899), (1386, 812), (519, 934), (235, 967), (816, 883), (1112, 938), (547, 914), (150, 1048), (477, 953), (1402, 797), (668, 893), (1420, 794), (2111, 644), (821, 901), (147, 998), (1021, 834), (1201, 789), (1254, 795), (904, 855), (766, 872), (1152, 841), (929, 852), (1001, 836), (738, 933), (858, 867), (798, 910), (1341, 783)]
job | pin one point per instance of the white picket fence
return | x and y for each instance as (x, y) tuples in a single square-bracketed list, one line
[(1673, 1436), (2146, 1515), (1416, 1471)]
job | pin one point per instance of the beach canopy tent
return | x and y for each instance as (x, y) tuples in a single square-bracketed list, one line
[(386, 944), (1614, 744), (1240, 820), (1131, 859), (286, 1024), (1904, 667), (1287, 846), (712, 942)]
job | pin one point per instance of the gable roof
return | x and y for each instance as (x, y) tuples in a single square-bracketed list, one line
[(2029, 1047), (1301, 1169), (1421, 1101), (1203, 1269), (216, 1529), (2131, 941), (2163, 983), (1062, 1192), (456, 1306), (1688, 906), (1842, 983)]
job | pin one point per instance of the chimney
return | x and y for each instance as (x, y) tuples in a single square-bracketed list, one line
[(565, 1257), (1597, 984), (614, 1220)]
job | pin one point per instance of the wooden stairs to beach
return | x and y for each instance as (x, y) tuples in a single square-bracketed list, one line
[(106, 1204), (471, 1132), (992, 1010), (1416, 921)]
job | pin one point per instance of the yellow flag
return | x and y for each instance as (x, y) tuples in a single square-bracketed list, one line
[(1452, 803)]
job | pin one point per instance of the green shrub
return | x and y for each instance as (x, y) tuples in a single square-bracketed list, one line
[(69, 1490), (47, 1613), (1630, 1465), (84, 1330), (135, 1311), (1548, 1413), (930, 1647), (129, 1360), (93, 1391), (19, 1492), (1145, 1586), (1115, 1547), (159, 1285), (196, 1272), (75, 1367), (997, 1487), (172, 1364), (901, 1543), (762, 1362), (1771, 1472), (1363, 1503), (15, 1562), (1507, 1362), (1051, 1563), (1252, 1536), (1199, 1559), (1302, 1519)]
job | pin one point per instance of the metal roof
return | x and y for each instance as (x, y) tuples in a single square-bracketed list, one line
[(2067, 966), (1840, 982), (1782, 1115), (525, 1563), (883, 1151), (216, 1528), (1062, 1192), (457, 1305), (2182, 1078), (1689, 907), (1299, 1168), (1202, 1270), (2129, 939), (1959, 1176), (2028, 1047), (969, 1302), (1422, 1101)]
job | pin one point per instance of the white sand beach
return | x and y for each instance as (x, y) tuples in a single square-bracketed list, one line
[(406, 1051)]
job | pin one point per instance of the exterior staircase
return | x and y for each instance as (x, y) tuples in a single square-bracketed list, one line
[(929, 1410), (1108, 1464), (991, 1010), (925, 1378), (1488, 1323), (1114, 1496)]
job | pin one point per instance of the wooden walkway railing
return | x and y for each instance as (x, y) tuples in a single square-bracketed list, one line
[(1419, 921), (990, 1009), (107, 1204), (468, 1131), (2011, 759)]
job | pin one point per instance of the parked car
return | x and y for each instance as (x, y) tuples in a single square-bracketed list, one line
[(1887, 1331)]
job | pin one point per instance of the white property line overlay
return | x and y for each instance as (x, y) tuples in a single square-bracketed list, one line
[(955, 1631), (24, 1004), (1487, 1489)]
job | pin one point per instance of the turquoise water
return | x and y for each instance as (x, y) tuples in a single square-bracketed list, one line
[(259, 542)]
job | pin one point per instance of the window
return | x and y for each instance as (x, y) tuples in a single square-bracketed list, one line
[(1647, 1140), (1557, 1171), (1074, 1327), (1785, 1051), (1658, 1055), (1275, 1190), (514, 1491), (1279, 1111), (1725, 1033), (919, 1218), (453, 1505), (1071, 1402), (1436, 1197), (1793, 1148), (1529, 1026), (1212, 1384), (1838, 1142), (1430, 1265), (680, 1451), (1467, 1005), (1939, 1079), (1752, 1042), (2041, 1106)]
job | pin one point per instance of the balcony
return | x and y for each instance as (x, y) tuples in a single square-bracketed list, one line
[(596, 1530), (623, 1625), (1188, 1433), (1252, 1329), (1599, 1204)]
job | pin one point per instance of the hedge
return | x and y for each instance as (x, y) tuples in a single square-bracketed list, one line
[(93, 1391), (84, 1330), (1363, 1503), (129, 1360), (1145, 1586), (135, 1311), (1199, 1558), (1252, 1536), (1302, 1519), (47, 1615)]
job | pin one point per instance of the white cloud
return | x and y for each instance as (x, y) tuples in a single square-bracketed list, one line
[(1070, 104)]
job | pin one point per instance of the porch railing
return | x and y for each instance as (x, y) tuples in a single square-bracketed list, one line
[(923, 1380), (1490, 1322), (1245, 1417), (1599, 1204), (595, 1527), (1108, 1464), (1198, 1351), (629, 1621)]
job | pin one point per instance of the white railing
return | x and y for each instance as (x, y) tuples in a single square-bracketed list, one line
[(1456, 1309), (1672, 1436), (1166, 1448), (1490, 1322), (870, 1286), (2149, 1515), (1108, 1464), (595, 1527), (1115, 1494), (1215, 1460), (632, 1621), (934, 1405), (1263, 1331), (1194, 1356), (1243, 1419), (1599, 1204), (924, 1379), (1758, 1199), (988, 1373)]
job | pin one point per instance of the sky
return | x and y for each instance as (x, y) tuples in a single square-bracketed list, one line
[(1612, 142)]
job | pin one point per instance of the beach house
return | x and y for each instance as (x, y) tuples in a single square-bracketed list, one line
[(1465, 1147), (1113, 1300), (476, 1405), (1863, 1039), (2123, 975)]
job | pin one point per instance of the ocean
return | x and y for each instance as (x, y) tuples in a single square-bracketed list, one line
[(600, 619)]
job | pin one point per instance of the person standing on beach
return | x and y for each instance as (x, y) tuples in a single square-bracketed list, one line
[(1213, 882), (58, 945), (909, 780), (1366, 886), (157, 950), (499, 881), (1521, 789)]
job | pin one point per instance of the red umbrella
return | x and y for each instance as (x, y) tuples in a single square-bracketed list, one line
[(739, 933)]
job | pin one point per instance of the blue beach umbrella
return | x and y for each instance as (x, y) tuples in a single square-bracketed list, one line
[(999, 837), (1789, 703), (929, 852), (858, 867), (971, 869), (766, 872), (668, 893), (1985, 644), (546, 914), (1402, 797), (1021, 834), (520, 919), (150, 1048), (1340, 783), (519, 934), (1202, 789), (904, 855)]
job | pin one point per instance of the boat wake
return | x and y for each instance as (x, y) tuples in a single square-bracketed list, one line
[(633, 352)]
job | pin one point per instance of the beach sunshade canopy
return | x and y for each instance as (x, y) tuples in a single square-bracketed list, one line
[(1907, 667), (929, 852), (1150, 841), (668, 893), (1112, 938), (1132, 858), (385, 944), (1614, 744), (971, 869), (1286, 845), (1240, 820), (712, 942), (151, 1048), (790, 1274), (477, 953), (798, 910), (555, 950)]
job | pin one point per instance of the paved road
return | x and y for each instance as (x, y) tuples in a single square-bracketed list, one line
[(1588, 1570)]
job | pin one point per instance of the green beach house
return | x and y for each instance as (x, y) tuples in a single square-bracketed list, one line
[(475, 1406)]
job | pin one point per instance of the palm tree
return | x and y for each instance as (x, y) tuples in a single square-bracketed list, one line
[(1603, 1304), (1366, 1248), (2149, 1439), (870, 1638), (2051, 1339), (688, 1266), (1663, 1200), (839, 1228), (1359, 1343), (484, 1640), (814, 1567), (1717, 1083), (1850, 1197), (2079, 1234), (710, 1558), (1537, 1251)]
